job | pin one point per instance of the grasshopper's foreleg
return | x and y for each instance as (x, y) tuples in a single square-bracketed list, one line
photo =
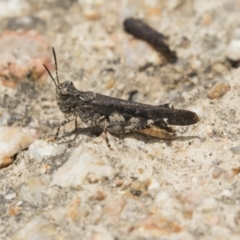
[(63, 123)]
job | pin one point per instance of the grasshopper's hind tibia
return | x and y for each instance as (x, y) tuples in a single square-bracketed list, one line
[(157, 132), (105, 134)]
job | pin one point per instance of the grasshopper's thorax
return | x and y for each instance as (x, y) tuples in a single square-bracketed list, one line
[(66, 95)]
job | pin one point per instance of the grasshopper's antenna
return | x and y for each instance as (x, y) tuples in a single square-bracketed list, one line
[(50, 75), (56, 67)]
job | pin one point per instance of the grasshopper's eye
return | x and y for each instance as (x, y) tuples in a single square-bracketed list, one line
[(65, 90)]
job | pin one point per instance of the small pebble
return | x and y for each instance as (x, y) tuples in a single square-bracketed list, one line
[(156, 226), (91, 14), (217, 171), (153, 185), (10, 196), (218, 90), (110, 84), (162, 196), (19, 203), (13, 210), (219, 68), (81, 166), (235, 150), (195, 64), (99, 195), (233, 50), (33, 191), (234, 172), (206, 19), (118, 182), (40, 149), (226, 193), (208, 204), (12, 141)]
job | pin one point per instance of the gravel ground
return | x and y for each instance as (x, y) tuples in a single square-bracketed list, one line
[(143, 188)]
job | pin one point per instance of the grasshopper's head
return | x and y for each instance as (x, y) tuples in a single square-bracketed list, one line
[(66, 97), (65, 92), (66, 89)]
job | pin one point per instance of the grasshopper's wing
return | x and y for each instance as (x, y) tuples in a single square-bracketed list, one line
[(108, 105)]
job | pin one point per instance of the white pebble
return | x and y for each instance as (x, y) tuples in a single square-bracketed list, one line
[(153, 185), (161, 197), (19, 203), (82, 165), (33, 191), (10, 196), (40, 149), (226, 193), (233, 49)]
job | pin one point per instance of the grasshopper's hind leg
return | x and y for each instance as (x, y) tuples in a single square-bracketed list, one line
[(105, 135), (157, 132), (158, 129)]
